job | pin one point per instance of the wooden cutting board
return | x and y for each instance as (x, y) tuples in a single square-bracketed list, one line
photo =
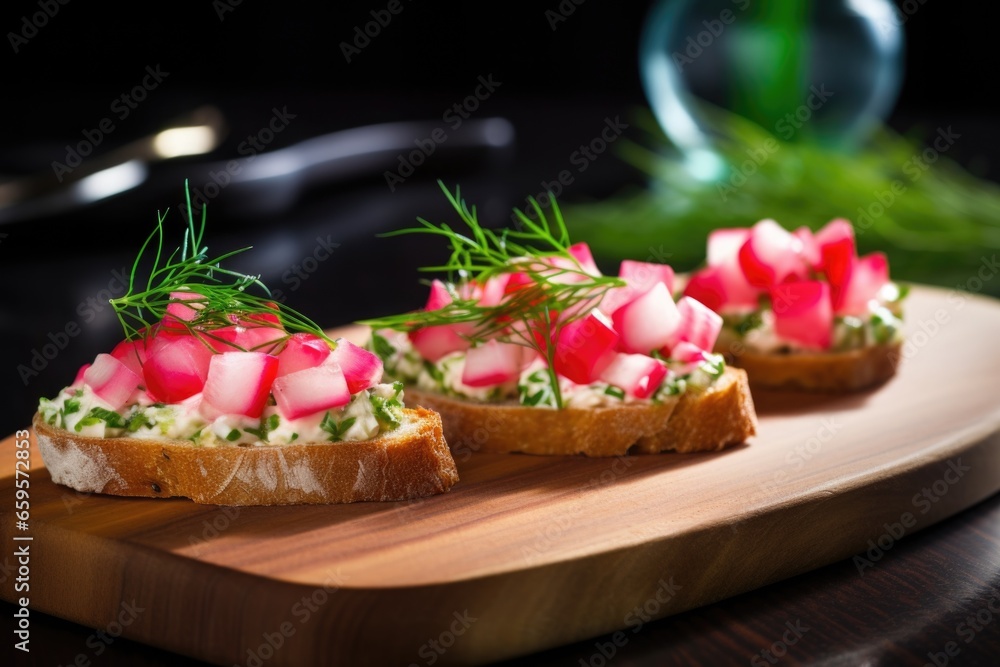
[(530, 552)]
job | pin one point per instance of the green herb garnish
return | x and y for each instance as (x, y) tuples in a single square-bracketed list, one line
[(221, 293), (266, 426), (336, 429), (555, 294), (388, 411)]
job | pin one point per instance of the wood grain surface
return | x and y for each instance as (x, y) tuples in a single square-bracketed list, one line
[(539, 551)]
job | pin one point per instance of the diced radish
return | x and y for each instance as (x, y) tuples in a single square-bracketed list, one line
[(439, 296), (244, 337), (435, 342), (585, 347), (770, 255), (637, 374), (183, 311), (837, 252), (238, 383), (724, 256), (581, 253), (869, 274), (250, 319), (176, 367), (516, 281), (648, 322), (616, 297), (362, 369), (803, 313), (132, 353), (643, 275), (311, 390), (302, 350), (492, 363), (708, 287), (688, 355), (111, 380), (492, 292), (78, 380), (809, 248), (699, 325)]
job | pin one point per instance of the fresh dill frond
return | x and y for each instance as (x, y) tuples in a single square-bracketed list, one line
[(221, 297), (555, 289)]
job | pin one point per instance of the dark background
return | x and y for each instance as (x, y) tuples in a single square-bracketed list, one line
[(557, 87)]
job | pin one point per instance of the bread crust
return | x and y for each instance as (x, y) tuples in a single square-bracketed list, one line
[(820, 371), (410, 462), (700, 420)]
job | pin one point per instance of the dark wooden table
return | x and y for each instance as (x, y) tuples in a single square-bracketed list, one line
[(932, 599)]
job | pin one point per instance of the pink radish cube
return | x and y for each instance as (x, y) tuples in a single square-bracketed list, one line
[(724, 257), (808, 247), (492, 363), (868, 276), (803, 313), (637, 374), (492, 292), (132, 353), (435, 342), (643, 275), (770, 255), (111, 380), (707, 286), (439, 296), (311, 390), (648, 322), (699, 324), (837, 252), (238, 383), (585, 347), (687, 354), (302, 350), (243, 337), (176, 367), (362, 369), (179, 312), (581, 253)]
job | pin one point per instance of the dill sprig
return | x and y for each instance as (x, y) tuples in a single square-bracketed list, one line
[(221, 296), (557, 289)]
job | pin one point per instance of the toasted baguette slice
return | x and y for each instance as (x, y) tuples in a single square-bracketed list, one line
[(410, 462), (820, 371), (699, 420)]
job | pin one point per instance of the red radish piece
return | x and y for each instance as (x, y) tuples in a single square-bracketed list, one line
[(492, 363), (362, 369), (176, 367), (803, 313), (724, 256), (132, 353), (837, 252), (492, 292), (78, 380), (439, 296), (581, 253), (700, 325), (809, 248), (435, 342), (643, 275), (111, 380), (708, 287), (688, 355), (178, 312), (585, 347), (301, 351), (637, 374), (868, 276), (238, 383), (311, 390), (240, 337), (648, 322), (770, 255)]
